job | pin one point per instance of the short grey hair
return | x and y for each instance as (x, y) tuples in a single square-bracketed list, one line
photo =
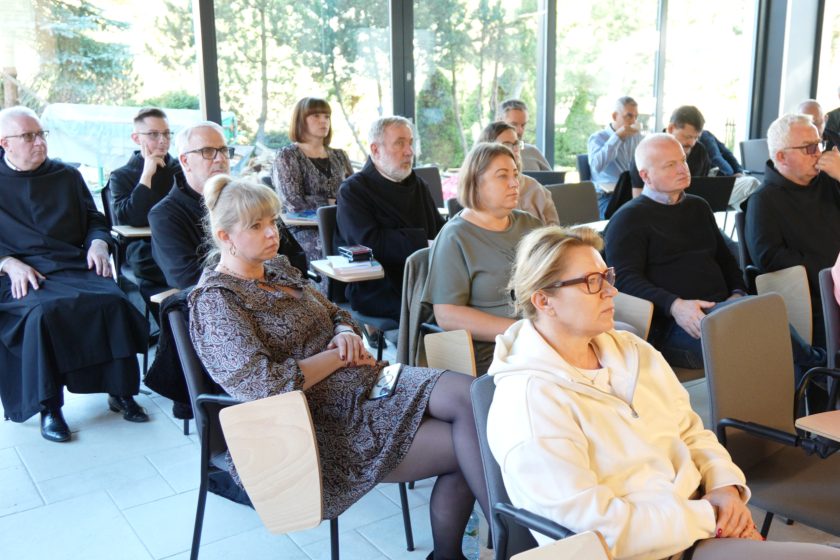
[(623, 102), (648, 146), (182, 140), (511, 105), (11, 113), (377, 130), (779, 131)]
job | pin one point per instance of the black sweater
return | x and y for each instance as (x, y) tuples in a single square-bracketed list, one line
[(788, 224), (132, 201), (394, 220), (663, 252)]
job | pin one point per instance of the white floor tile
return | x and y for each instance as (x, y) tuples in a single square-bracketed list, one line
[(18, 491), (89, 527), (166, 526), (138, 492), (106, 477), (352, 546), (257, 543), (179, 466), (388, 535)]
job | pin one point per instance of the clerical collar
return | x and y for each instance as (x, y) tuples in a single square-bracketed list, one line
[(9, 163), (661, 198)]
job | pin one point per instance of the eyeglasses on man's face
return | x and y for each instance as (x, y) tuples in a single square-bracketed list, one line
[(210, 153), (594, 281), (30, 137), (156, 135), (514, 145), (809, 149)]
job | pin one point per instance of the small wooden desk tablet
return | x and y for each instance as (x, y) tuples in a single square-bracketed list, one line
[(299, 222), (272, 443), (825, 424), (159, 297), (131, 231), (589, 545), (324, 267)]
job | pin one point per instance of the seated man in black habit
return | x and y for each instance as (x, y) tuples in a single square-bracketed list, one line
[(63, 320), (388, 208), (140, 184), (178, 241)]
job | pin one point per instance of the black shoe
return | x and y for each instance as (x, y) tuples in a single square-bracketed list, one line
[(132, 411), (371, 337), (53, 425)]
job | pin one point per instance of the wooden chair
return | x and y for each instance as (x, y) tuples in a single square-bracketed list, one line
[(634, 311), (590, 545), (452, 350), (792, 284), (272, 443), (576, 203)]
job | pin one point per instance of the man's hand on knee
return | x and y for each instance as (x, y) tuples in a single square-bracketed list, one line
[(22, 276), (689, 312), (97, 257)]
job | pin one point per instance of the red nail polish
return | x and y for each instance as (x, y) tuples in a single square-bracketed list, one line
[(719, 533)]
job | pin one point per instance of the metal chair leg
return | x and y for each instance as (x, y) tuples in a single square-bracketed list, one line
[(765, 527), (411, 485), (202, 498), (406, 513), (186, 427), (334, 538), (380, 343)]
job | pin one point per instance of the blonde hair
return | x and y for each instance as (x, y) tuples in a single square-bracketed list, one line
[(475, 165), (235, 202), (541, 257)]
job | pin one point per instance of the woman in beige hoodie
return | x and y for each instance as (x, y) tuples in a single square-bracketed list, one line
[(592, 429)]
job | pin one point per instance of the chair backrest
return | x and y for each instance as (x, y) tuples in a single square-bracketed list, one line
[(508, 538), (634, 311), (715, 190), (576, 203), (453, 206), (413, 312), (754, 155), (547, 177), (743, 253), (831, 316), (107, 204), (792, 284), (582, 163), (431, 176), (452, 350), (198, 383), (749, 370), (327, 219), (272, 443), (590, 545)]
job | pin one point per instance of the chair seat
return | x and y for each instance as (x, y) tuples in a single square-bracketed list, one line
[(800, 486)]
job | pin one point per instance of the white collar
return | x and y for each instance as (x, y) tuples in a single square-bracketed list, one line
[(9, 163)]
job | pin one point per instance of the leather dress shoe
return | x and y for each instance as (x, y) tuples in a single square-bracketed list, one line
[(53, 425), (132, 411)]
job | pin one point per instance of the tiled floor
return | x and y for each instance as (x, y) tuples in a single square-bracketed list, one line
[(128, 491)]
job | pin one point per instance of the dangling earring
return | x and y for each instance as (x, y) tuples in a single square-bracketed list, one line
[(232, 250)]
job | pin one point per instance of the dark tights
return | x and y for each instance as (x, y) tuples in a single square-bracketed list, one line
[(446, 446)]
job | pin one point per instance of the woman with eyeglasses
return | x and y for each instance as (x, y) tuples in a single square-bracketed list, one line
[(469, 262), (307, 173), (592, 429)]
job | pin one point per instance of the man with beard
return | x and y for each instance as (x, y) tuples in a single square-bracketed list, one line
[(386, 207)]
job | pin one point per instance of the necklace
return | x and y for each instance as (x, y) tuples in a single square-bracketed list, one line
[(592, 379), (228, 270)]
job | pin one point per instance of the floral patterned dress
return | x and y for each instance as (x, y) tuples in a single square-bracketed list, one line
[(250, 340)]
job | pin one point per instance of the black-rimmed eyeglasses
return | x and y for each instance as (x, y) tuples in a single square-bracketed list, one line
[(30, 136), (155, 134), (809, 149), (594, 281), (210, 153)]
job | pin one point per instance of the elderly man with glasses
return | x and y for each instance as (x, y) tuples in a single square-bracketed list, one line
[(63, 320), (795, 217), (140, 184), (666, 248)]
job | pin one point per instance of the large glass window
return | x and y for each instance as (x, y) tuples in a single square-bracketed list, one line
[(274, 52), (709, 57), (86, 65), (828, 87), (469, 56), (605, 49)]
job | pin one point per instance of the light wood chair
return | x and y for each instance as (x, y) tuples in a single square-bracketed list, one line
[(792, 284), (590, 545), (272, 443), (634, 311), (452, 350)]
